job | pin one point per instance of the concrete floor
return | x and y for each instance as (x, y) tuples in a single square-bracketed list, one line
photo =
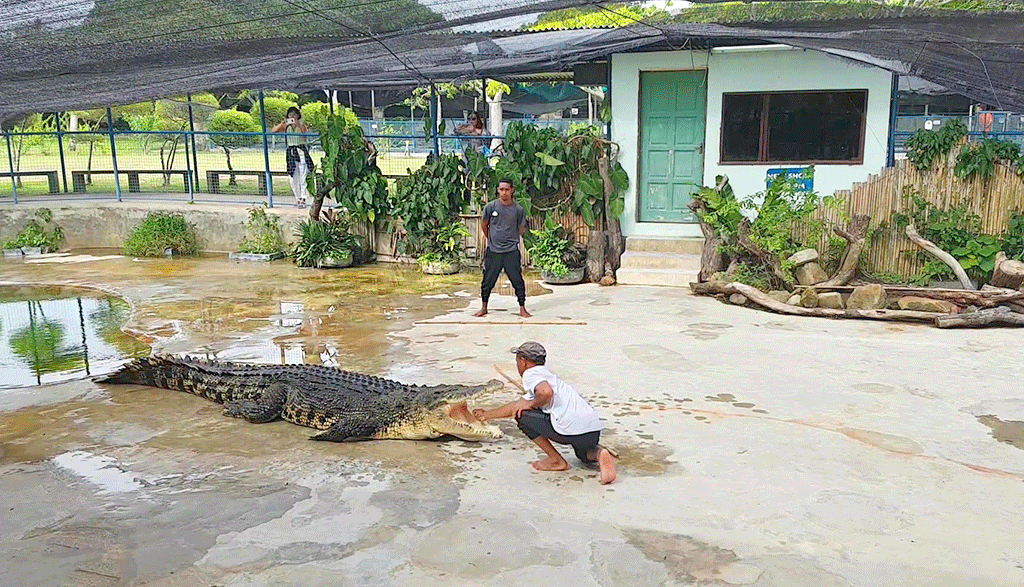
[(756, 449)]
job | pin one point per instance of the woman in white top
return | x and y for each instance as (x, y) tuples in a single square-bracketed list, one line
[(552, 411), (297, 158)]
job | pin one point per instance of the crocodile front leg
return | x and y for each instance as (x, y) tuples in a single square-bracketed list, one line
[(348, 428), (266, 409)]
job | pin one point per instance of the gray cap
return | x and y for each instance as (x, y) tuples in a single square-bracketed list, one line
[(531, 351)]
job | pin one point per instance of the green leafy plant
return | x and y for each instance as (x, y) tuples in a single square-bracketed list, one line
[(979, 159), (349, 170), (926, 146), (446, 245), (553, 249), (428, 200), (40, 231), (319, 241), (232, 121), (750, 274), (277, 108), (262, 233), (1013, 237), (784, 222), (161, 231)]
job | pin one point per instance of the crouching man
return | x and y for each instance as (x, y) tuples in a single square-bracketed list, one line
[(552, 411)]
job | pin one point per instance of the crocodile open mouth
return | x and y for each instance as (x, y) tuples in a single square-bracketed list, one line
[(458, 420)]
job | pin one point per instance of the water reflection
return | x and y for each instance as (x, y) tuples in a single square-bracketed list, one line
[(55, 334)]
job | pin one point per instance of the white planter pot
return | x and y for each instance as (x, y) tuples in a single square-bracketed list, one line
[(440, 267)]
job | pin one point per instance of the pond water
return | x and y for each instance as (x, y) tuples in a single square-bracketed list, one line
[(52, 334)]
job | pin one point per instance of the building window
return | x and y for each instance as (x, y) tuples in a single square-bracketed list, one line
[(794, 127)]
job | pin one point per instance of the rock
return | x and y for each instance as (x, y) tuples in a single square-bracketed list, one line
[(833, 300), (738, 299), (927, 305), (794, 300), (803, 257), (867, 297), (779, 295), (970, 309), (809, 298), (810, 273)]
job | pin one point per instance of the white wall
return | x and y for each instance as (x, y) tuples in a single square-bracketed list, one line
[(753, 69)]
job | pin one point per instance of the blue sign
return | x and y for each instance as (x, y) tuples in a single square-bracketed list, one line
[(806, 184)]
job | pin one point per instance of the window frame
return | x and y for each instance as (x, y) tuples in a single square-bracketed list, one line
[(763, 138)]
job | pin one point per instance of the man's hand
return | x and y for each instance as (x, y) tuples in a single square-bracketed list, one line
[(521, 406), (480, 414)]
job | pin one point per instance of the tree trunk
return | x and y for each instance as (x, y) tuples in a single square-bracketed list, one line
[(711, 260), (167, 164), (766, 257), (613, 238), (941, 255), (231, 180), (755, 295), (1007, 273), (856, 236), (596, 244), (1000, 315)]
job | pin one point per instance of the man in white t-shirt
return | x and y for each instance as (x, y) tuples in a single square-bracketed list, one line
[(552, 411)]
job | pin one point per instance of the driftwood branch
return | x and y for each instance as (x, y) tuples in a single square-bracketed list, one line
[(769, 259), (941, 255), (755, 295), (613, 244), (711, 260), (1001, 315), (960, 297), (856, 237)]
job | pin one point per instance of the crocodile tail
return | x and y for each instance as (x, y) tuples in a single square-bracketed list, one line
[(155, 371)]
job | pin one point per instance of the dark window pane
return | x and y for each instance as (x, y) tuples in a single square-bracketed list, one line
[(741, 126), (819, 126)]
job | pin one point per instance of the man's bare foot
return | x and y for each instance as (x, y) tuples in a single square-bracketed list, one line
[(481, 313), (523, 312), (606, 463), (550, 464)]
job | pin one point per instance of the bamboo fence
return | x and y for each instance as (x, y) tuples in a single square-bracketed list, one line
[(882, 195)]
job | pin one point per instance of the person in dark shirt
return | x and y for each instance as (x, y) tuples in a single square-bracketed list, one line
[(504, 222)]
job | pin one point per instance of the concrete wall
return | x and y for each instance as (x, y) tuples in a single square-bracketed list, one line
[(106, 224), (749, 69)]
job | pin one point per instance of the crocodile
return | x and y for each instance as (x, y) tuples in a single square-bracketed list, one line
[(346, 406)]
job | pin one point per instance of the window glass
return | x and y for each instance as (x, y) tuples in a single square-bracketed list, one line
[(793, 126)]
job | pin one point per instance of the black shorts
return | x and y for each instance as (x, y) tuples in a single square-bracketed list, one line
[(536, 423)]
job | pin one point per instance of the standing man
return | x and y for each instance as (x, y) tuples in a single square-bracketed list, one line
[(504, 223), (551, 410)]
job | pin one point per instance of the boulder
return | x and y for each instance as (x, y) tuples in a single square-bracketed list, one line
[(867, 297), (927, 305), (738, 299), (809, 298), (803, 257), (779, 295), (833, 300), (810, 273), (794, 300)]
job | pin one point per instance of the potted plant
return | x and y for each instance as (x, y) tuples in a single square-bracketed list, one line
[(325, 244), (445, 248), (554, 251), (39, 235), (263, 239)]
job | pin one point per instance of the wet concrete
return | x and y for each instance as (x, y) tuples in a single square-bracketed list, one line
[(755, 449)]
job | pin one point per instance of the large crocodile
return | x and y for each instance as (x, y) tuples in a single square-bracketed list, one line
[(345, 405)]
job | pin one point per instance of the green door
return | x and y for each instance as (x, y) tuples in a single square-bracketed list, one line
[(672, 108)]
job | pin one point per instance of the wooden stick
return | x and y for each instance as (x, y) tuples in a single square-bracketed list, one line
[(523, 323), (941, 255), (1000, 315)]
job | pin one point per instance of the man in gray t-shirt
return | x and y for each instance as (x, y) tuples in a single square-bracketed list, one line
[(504, 222)]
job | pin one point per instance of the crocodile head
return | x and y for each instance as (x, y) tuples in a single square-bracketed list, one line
[(446, 413)]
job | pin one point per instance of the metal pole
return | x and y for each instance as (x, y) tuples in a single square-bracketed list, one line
[(266, 153), (192, 136), (60, 148), (330, 99), (890, 158), (188, 184), (10, 159), (113, 153), (433, 121)]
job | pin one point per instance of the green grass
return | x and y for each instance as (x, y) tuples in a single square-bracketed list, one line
[(132, 155)]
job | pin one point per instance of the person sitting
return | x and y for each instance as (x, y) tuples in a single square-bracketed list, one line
[(552, 411), (474, 127)]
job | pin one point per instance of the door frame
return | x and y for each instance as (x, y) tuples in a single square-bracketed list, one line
[(640, 134)]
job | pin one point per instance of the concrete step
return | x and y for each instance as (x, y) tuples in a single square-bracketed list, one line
[(679, 246), (666, 277), (647, 260)]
